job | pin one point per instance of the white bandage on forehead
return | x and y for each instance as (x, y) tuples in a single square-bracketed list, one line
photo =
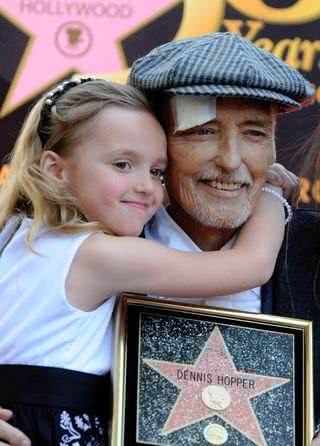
[(192, 111)]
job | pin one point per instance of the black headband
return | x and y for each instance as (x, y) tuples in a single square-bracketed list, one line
[(50, 101)]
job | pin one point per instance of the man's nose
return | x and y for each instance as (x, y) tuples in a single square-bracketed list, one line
[(229, 156)]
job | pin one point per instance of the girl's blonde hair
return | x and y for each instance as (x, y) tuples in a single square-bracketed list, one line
[(27, 190)]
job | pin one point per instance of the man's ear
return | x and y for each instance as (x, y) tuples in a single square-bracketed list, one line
[(53, 166)]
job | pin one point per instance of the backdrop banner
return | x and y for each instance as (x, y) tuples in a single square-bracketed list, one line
[(45, 41)]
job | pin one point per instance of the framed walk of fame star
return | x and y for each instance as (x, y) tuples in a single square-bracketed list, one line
[(190, 375)]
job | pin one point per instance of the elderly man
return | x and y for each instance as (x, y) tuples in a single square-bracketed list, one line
[(218, 97)]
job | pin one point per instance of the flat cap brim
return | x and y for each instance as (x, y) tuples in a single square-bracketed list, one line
[(285, 103)]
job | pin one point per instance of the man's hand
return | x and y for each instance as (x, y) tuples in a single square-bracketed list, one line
[(278, 175), (9, 435)]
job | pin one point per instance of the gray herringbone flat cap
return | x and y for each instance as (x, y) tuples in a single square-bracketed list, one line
[(221, 64)]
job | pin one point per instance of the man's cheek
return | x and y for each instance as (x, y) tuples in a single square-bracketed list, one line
[(270, 152), (261, 155), (260, 165), (174, 183), (272, 157), (184, 167)]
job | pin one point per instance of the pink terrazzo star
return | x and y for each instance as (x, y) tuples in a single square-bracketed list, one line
[(215, 369), (71, 36)]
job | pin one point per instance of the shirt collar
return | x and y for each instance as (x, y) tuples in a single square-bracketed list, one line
[(165, 230)]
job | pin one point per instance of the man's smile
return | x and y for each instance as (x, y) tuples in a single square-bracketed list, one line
[(225, 186), (221, 185)]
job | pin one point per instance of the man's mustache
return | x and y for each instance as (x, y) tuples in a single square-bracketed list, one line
[(241, 176)]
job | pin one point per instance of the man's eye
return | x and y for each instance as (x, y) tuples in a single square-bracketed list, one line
[(122, 165), (256, 133), (203, 131)]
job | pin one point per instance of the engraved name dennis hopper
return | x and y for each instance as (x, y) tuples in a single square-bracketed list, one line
[(223, 380)]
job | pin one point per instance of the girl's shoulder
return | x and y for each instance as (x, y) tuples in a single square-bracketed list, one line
[(96, 242)]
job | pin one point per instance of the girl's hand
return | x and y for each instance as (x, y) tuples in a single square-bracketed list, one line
[(9, 435), (278, 175)]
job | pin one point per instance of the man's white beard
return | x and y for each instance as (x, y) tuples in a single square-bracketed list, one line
[(222, 215)]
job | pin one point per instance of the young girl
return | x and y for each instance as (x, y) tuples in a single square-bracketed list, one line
[(87, 168)]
